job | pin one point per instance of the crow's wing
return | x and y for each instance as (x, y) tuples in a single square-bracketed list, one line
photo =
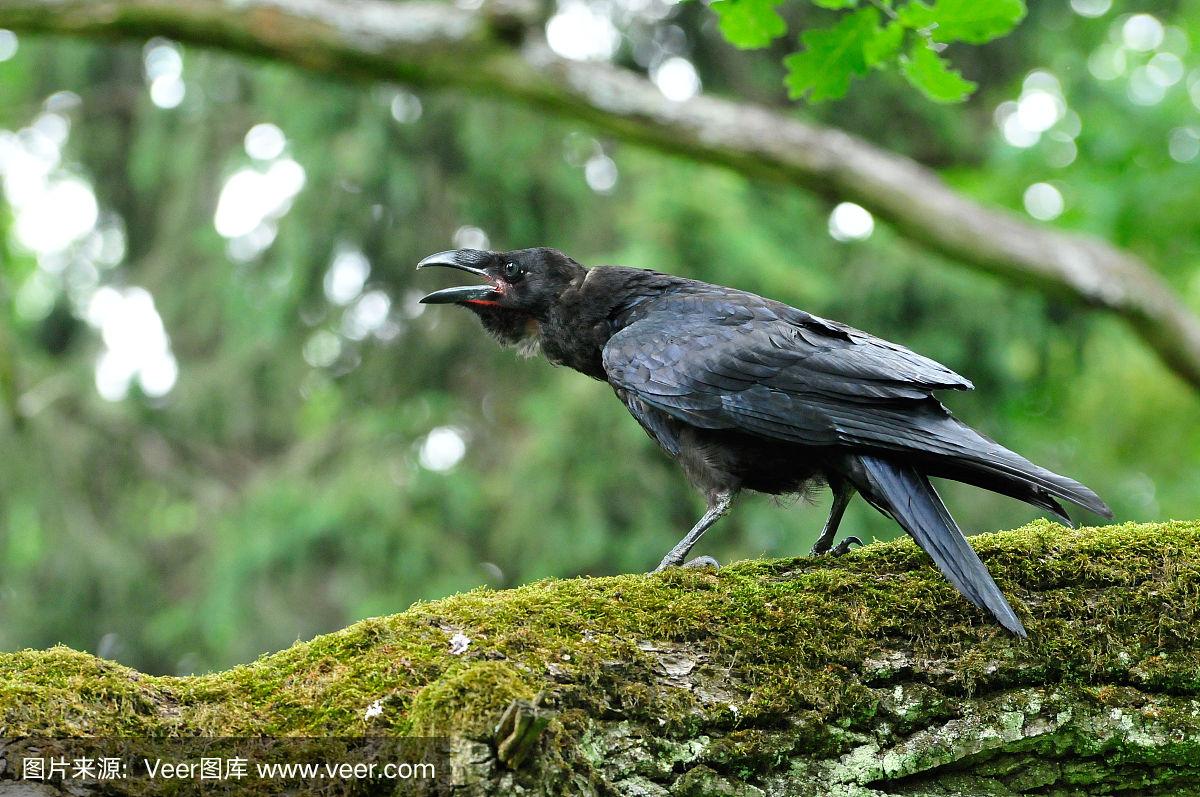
[(745, 363), (777, 372)]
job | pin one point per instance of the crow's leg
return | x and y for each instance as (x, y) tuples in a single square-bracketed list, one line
[(718, 505), (842, 493)]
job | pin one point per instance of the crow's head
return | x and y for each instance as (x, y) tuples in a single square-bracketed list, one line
[(521, 287)]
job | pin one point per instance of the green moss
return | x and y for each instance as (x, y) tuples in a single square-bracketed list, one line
[(795, 638), (468, 702)]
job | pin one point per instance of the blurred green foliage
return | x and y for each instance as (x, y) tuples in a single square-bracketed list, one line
[(287, 483)]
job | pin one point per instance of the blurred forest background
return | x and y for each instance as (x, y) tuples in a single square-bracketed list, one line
[(229, 425)]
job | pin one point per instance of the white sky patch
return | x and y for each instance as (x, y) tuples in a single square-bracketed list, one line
[(8, 44), (676, 78), (1043, 201), (468, 237), (850, 222), (346, 276), (58, 216), (601, 174), (27, 159), (582, 32), (1142, 32), (250, 197), (55, 212), (442, 449), (264, 142), (136, 346)]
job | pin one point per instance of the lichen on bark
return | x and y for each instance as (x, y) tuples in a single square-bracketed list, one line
[(864, 675)]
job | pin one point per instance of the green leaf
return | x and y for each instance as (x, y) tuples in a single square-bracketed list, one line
[(932, 76), (835, 4), (885, 46), (973, 21), (750, 23), (832, 57)]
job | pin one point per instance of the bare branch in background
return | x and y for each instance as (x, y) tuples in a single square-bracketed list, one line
[(433, 44)]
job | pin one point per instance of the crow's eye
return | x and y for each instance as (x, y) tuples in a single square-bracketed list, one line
[(513, 272)]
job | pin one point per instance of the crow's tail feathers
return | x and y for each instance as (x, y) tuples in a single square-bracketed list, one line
[(987, 464), (907, 496)]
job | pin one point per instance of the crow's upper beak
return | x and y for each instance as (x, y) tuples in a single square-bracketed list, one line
[(466, 293)]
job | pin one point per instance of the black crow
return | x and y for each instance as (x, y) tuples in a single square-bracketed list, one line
[(746, 393)]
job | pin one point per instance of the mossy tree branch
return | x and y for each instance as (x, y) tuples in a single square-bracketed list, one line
[(865, 675), (498, 51)]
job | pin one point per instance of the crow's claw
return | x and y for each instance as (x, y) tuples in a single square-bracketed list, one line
[(843, 547), (699, 561)]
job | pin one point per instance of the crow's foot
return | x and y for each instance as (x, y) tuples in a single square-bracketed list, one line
[(824, 546), (843, 547), (699, 561)]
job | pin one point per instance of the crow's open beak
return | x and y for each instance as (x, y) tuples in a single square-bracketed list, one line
[(466, 293)]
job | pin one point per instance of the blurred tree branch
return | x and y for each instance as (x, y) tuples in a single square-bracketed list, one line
[(497, 50)]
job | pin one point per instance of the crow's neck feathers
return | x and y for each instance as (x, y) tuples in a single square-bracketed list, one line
[(595, 306)]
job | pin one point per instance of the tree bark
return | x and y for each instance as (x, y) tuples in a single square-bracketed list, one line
[(496, 51), (861, 676)]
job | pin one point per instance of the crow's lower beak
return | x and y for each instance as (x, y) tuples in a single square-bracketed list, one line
[(466, 293)]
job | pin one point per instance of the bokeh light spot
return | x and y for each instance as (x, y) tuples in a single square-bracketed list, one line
[(676, 78), (1091, 8), (250, 197), (136, 344), (442, 449), (346, 276), (1043, 201), (8, 44), (468, 237), (601, 174), (264, 142), (1184, 144), (850, 222), (1142, 32), (581, 32)]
